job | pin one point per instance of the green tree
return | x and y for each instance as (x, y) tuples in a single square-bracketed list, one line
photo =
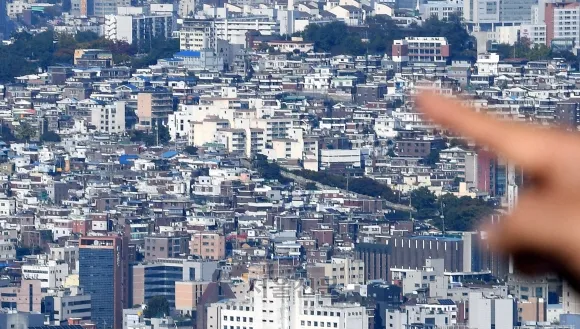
[(425, 202), (458, 142), (163, 136), (86, 36), (66, 5), (157, 306), (379, 33), (461, 214), (50, 136), (432, 158), (24, 132), (191, 150), (310, 186), (268, 170)]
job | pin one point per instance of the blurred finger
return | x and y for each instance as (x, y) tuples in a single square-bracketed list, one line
[(533, 149)]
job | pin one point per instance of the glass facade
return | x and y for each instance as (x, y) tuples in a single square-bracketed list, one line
[(96, 276), (160, 281)]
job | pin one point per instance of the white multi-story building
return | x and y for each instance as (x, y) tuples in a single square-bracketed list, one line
[(68, 303), (440, 315), (441, 9), (487, 64), (513, 12), (387, 127), (536, 33), (349, 158), (233, 139), (196, 34), (285, 304), (320, 80), (179, 124), (8, 239), (351, 15), (186, 8), (138, 28), (566, 21), (51, 273), (102, 8), (108, 118), (486, 310), (421, 49), (234, 30), (13, 9), (68, 253), (430, 276), (344, 271), (222, 120), (7, 207)]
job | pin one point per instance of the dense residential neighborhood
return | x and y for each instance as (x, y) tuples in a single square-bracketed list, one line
[(263, 165)]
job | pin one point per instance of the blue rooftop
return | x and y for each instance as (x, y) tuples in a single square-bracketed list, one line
[(127, 158), (188, 53), (169, 154), (436, 238)]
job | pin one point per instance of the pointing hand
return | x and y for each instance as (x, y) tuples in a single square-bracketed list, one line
[(543, 232)]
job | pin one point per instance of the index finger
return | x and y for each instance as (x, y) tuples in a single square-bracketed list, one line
[(532, 148)]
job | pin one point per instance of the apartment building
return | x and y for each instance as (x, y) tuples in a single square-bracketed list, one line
[(62, 304), (8, 240), (68, 253), (197, 34), (441, 9), (50, 273), (153, 108), (159, 277), (208, 245), (203, 132), (102, 8), (285, 304), (433, 50), (485, 310), (344, 158), (343, 271), (442, 314), (108, 118), (25, 297), (138, 28), (187, 295), (562, 21), (430, 276), (91, 58), (484, 13), (164, 246), (234, 140), (235, 30)]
